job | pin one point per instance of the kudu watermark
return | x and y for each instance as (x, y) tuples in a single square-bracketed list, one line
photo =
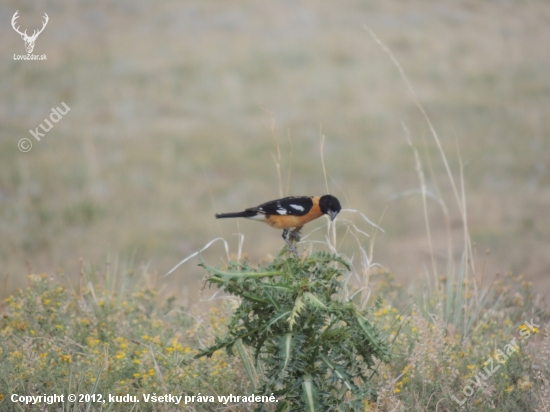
[(56, 115)]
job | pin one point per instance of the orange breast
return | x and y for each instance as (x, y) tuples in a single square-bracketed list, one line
[(288, 221)]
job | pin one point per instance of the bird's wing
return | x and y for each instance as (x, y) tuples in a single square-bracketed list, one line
[(289, 206)]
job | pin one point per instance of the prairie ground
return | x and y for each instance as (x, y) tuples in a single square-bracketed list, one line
[(174, 107)]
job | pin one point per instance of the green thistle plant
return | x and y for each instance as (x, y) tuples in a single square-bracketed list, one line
[(315, 352)]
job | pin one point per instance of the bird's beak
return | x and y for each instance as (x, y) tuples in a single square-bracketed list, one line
[(332, 214)]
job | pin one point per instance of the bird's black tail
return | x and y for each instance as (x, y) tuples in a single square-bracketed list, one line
[(246, 213)]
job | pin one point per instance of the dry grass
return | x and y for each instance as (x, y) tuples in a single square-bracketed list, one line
[(112, 333), (171, 98), (179, 110)]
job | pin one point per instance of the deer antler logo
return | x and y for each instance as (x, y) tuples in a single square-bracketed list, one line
[(29, 40)]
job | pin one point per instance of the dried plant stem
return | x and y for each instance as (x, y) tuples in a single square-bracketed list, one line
[(460, 200), (277, 159)]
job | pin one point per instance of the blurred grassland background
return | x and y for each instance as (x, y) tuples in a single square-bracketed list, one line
[(172, 104)]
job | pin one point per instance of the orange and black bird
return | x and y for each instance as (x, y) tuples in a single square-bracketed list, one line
[(290, 212)]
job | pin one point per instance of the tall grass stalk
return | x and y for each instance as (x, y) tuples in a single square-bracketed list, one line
[(458, 303)]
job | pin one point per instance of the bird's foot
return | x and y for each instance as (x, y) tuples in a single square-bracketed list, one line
[(291, 247), (291, 237), (294, 236)]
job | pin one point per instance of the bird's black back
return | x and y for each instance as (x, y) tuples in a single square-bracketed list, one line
[(293, 206)]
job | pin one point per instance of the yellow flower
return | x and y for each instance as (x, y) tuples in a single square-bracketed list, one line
[(398, 387), (510, 388), (66, 358), (382, 311), (120, 355), (523, 326), (122, 342), (92, 342)]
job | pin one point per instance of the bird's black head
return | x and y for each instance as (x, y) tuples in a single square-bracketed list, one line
[(330, 206)]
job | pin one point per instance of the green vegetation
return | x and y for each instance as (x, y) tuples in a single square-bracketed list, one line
[(296, 334), (100, 340), (434, 359), (171, 121), (317, 351)]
